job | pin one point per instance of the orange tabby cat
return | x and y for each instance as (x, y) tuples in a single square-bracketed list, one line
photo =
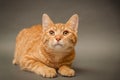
[(47, 48)]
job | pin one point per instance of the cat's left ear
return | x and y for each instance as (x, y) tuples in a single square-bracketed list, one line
[(73, 22), (46, 21)]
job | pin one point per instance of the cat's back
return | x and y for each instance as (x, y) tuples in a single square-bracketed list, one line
[(25, 41), (27, 38), (29, 33)]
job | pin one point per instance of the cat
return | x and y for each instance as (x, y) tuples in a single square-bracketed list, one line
[(48, 48)]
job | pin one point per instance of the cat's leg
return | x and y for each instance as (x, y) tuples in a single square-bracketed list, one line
[(30, 64), (66, 71)]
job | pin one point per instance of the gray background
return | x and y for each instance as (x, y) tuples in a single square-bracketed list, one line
[(98, 48)]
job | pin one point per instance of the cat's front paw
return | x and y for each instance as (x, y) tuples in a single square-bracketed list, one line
[(47, 72), (66, 71)]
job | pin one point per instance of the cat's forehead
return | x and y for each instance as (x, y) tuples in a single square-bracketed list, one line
[(59, 26)]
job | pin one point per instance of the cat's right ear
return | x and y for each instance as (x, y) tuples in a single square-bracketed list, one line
[(46, 21)]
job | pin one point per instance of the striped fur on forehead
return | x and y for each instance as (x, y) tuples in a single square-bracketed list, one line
[(61, 27), (58, 27)]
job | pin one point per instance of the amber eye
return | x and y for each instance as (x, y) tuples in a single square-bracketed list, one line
[(65, 32), (51, 32)]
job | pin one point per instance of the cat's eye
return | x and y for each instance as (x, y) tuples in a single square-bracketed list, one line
[(51, 32), (65, 32)]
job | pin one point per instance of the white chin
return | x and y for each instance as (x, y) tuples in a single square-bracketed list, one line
[(58, 47)]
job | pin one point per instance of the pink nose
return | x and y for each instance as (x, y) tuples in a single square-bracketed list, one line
[(58, 38)]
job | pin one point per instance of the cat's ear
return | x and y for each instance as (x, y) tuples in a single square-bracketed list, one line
[(73, 22), (46, 21)]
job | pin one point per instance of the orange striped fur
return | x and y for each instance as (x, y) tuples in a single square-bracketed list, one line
[(45, 48)]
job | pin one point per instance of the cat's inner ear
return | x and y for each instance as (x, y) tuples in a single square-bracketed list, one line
[(73, 22), (46, 21)]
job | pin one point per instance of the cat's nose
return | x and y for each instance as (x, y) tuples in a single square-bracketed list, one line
[(58, 38)]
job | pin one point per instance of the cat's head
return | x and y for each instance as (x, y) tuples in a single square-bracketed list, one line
[(60, 37)]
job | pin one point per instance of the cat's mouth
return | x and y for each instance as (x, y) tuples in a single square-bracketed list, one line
[(58, 44)]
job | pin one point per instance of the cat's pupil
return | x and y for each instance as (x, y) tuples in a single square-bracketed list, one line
[(51, 32), (65, 32)]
